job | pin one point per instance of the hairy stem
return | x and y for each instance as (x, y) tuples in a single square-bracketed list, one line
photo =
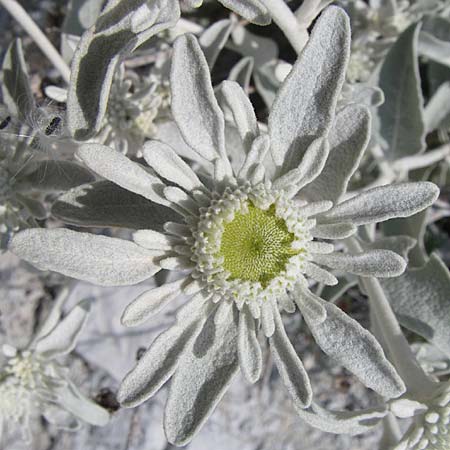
[(392, 336), (27, 23), (295, 32)]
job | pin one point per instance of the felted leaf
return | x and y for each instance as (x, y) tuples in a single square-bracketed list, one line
[(116, 167), (383, 203), (249, 351), (348, 139), (347, 342), (289, 365), (241, 72), (375, 263), (161, 359), (73, 401), (62, 339), (104, 204), (99, 259), (342, 422), (16, 90), (304, 107), (194, 106), (213, 40), (310, 166), (242, 110), (203, 375), (401, 125), (120, 28), (167, 164), (252, 10), (420, 299), (52, 175), (150, 303)]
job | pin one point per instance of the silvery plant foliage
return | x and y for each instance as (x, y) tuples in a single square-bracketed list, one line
[(251, 197)]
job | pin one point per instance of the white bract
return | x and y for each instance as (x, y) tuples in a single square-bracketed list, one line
[(256, 221), (34, 383)]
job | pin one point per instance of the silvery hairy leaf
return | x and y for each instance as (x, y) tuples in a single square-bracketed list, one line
[(347, 422), (73, 401), (116, 167), (213, 40), (16, 90), (383, 203), (348, 140), (99, 259), (355, 348), (252, 10), (63, 337), (121, 27), (105, 204), (241, 72), (304, 107), (204, 373), (420, 300), (400, 117), (161, 359), (194, 105)]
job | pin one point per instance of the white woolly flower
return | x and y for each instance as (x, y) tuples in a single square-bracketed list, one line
[(248, 230), (430, 429), (134, 104), (34, 383)]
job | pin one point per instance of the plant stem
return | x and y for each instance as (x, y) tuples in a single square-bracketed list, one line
[(295, 32), (398, 347), (27, 23)]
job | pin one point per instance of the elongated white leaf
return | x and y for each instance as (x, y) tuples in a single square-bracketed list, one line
[(161, 359), (62, 339), (383, 203), (348, 139), (375, 263), (74, 402), (167, 164), (194, 105), (304, 107), (213, 40), (116, 167), (252, 10), (347, 342), (203, 375), (290, 366), (249, 351), (242, 110), (150, 303), (99, 259), (342, 422)]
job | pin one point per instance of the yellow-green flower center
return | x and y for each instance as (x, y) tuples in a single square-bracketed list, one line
[(256, 246)]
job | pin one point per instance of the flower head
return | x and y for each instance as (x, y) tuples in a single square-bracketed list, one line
[(251, 234), (34, 383)]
